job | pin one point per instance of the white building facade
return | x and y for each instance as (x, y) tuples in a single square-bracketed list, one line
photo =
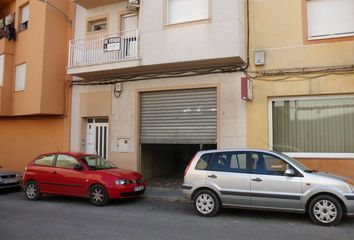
[(156, 81)]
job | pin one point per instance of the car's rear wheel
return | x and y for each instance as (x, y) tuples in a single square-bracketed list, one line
[(98, 196), (325, 210), (32, 191), (206, 203)]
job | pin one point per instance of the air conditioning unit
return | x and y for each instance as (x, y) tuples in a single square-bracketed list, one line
[(133, 4)]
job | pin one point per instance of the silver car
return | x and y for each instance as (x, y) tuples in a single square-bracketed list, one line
[(9, 179), (266, 180)]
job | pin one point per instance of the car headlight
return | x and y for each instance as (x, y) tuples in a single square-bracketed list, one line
[(123, 182), (351, 184), (120, 182)]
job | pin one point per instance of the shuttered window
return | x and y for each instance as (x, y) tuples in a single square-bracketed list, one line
[(179, 11), (330, 18), (179, 117), (20, 77), (2, 66), (313, 125), (25, 13)]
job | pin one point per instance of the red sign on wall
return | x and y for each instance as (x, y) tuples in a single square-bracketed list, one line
[(246, 89)]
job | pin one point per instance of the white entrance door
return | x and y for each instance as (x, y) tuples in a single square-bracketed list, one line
[(97, 137), (129, 27)]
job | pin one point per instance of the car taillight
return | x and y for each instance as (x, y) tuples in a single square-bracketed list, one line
[(189, 164)]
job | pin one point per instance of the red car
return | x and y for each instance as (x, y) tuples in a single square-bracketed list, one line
[(82, 175)]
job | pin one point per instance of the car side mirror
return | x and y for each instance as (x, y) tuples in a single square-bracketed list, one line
[(289, 172), (78, 167)]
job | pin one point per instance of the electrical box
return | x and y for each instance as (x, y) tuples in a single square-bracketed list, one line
[(133, 4), (123, 145), (259, 58), (246, 89)]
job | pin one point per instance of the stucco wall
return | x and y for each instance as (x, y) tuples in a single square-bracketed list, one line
[(22, 140), (222, 36), (277, 28), (123, 118), (219, 38)]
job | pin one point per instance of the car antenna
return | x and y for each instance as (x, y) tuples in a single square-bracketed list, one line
[(58, 150), (260, 139)]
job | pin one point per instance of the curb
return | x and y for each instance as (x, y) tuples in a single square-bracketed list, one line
[(169, 199)]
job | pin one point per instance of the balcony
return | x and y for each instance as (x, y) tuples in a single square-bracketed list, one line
[(88, 4), (6, 46), (3, 3), (103, 52)]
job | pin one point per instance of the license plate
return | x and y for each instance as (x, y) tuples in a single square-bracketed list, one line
[(139, 188), (7, 181)]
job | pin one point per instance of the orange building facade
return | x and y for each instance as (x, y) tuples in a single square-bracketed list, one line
[(34, 87)]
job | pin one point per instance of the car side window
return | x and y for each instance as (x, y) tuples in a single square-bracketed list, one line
[(66, 161), (263, 163), (230, 162), (239, 162), (46, 160), (203, 162)]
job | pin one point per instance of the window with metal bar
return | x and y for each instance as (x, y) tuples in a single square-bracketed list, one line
[(313, 125)]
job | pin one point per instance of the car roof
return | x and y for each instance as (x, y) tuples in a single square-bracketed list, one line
[(237, 150), (75, 154)]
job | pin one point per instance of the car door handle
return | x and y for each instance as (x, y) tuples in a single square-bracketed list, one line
[(53, 172), (212, 176), (257, 180)]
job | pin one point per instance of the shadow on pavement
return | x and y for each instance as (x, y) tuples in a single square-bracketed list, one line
[(294, 218), (85, 201), (9, 191)]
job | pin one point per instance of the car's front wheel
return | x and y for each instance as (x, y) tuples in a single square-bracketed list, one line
[(206, 203), (325, 210), (98, 196), (32, 191)]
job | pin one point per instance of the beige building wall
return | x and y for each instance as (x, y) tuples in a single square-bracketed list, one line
[(123, 112), (279, 28), (219, 38)]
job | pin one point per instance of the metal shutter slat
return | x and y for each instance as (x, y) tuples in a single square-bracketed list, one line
[(179, 117)]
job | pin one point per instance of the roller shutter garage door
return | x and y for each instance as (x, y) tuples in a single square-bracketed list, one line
[(179, 117)]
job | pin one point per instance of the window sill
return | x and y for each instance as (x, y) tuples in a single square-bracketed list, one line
[(331, 36), (22, 30), (329, 39), (96, 33), (321, 155), (188, 23)]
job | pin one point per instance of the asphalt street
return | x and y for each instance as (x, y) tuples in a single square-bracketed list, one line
[(56, 217)]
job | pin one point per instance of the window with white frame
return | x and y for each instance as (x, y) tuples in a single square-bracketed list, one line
[(20, 77), (330, 18), (2, 66), (24, 17), (313, 125), (180, 11), (97, 25)]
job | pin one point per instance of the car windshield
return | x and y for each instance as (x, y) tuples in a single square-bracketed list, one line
[(97, 163), (294, 162)]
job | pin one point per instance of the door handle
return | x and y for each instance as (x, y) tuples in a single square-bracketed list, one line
[(212, 176), (257, 180), (53, 172)]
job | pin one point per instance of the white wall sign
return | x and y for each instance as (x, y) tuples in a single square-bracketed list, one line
[(112, 44)]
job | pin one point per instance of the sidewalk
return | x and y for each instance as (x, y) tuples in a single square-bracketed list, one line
[(166, 194)]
